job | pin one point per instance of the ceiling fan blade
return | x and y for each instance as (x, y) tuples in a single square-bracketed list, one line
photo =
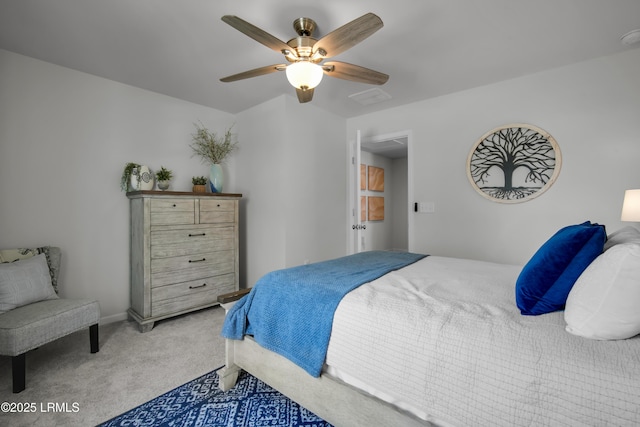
[(304, 95), (254, 73), (348, 35), (256, 33), (356, 73)]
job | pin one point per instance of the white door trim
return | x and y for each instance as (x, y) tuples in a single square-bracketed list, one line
[(352, 183)]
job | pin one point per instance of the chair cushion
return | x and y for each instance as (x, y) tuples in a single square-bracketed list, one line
[(24, 282), (33, 325)]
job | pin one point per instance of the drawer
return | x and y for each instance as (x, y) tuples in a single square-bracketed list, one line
[(190, 295), (166, 271), (217, 211), (187, 241), (215, 284), (172, 211), (185, 303)]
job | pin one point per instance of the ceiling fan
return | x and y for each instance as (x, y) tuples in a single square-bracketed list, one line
[(305, 54)]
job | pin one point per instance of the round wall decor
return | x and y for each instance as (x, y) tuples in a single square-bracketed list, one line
[(514, 163)]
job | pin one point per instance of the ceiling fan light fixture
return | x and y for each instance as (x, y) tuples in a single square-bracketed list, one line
[(304, 75)]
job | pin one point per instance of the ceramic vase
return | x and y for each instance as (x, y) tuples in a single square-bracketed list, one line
[(163, 184), (216, 178), (146, 180)]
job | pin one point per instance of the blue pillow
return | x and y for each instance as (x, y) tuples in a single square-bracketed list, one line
[(545, 281)]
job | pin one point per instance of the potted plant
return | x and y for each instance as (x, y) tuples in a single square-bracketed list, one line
[(199, 184), (213, 150), (136, 177), (163, 176), (130, 169)]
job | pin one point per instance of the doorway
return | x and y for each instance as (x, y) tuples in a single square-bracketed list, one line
[(389, 227)]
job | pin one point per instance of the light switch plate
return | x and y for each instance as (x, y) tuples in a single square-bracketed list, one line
[(426, 207)]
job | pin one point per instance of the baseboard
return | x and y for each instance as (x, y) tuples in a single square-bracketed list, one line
[(113, 318)]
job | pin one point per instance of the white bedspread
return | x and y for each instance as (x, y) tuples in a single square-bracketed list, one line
[(443, 339)]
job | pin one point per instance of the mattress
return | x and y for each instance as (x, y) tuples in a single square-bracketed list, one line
[(443, 339)]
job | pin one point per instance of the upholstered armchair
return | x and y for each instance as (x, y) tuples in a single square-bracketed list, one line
[(31, 313)]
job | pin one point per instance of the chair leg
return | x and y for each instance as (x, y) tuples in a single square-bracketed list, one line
[(18, 369), (93, 337)]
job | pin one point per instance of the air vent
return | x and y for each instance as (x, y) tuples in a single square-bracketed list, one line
[(370, 96)]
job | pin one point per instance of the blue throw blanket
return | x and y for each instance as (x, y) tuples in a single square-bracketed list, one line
[(291, 311)]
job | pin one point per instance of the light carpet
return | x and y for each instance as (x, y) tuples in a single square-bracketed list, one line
[(68, 386), (251, 403)]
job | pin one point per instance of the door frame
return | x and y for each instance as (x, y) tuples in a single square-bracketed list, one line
[(352, 191), (353, 230)]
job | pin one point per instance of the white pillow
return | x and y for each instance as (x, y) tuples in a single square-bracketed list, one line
[(626, 234), (604, 302), (24, 282)]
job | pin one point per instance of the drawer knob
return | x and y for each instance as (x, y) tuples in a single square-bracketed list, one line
[(197, 260), (199, 286), (201, 234), (174, 205)]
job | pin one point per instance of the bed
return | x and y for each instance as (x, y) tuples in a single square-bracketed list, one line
[(441, 341)]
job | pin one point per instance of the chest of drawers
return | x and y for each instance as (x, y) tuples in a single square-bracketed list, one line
[(184, 252)]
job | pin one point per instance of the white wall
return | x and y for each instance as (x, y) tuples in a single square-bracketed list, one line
[(259, 178), (65, 137), (315, 183), (290, 171), (592, 109)]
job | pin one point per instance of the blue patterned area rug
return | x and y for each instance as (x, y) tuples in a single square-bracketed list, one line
[(251, 403)]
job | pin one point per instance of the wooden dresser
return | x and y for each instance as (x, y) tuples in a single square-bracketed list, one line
[(184, 252)]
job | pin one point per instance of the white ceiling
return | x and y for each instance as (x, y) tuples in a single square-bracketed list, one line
[(429, 48), (395, 148)]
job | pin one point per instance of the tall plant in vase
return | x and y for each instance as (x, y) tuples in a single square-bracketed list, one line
[(213, 150)]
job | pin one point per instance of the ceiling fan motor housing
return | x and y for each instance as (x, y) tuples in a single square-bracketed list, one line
[(303, 44), (304, 26)]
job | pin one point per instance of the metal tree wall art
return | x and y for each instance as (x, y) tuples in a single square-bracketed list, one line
[(514, 163)]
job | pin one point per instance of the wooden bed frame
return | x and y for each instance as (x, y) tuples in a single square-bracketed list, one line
[(331, 399)]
